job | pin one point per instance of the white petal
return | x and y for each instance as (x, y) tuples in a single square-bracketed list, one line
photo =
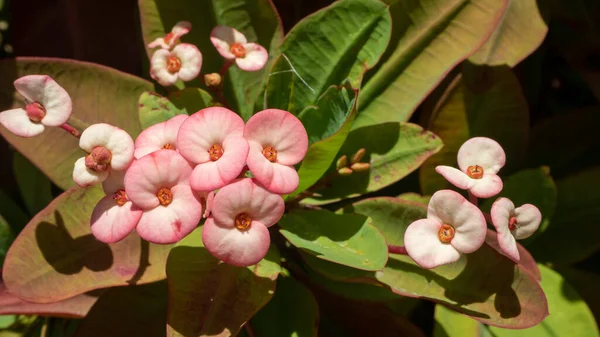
[(424, 246), (528, 221), (17, 122), (85, 177), (481, 151), (191, 61), (54, 98)]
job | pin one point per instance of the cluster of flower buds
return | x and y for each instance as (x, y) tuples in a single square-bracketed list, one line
[(455, 225), (183, 61), (345, 169)]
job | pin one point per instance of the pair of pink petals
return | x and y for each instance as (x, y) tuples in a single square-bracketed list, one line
[(514, 224), (233, 45)]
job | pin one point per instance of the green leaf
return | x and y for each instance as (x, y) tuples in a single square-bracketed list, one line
[(585, 284), (346, 239), (257, 19), (339, 42), (56, 256), (154, 109), (279, 318), (327, 125), (415, 197), (429, 38), (128, 311), (35, 188), (518, 34), (449, 323), (6, 238), (393, 150), (190, 100), (572, 233), (484, 102), (7, 320), (12, 213), (99, 94), (208, 297)]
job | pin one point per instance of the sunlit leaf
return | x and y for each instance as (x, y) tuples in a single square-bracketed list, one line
[(154, 109)]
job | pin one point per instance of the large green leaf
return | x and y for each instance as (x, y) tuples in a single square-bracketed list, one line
[(519, 33), (210, 298), (339, 42), (154, 109), (346, 239), (99, 94), (572, 233), (35, 188), (392, 149), (56, 256), (327, 125), (191, 100), (585, 283), (279, 318), (429, 38), (257, 19), (483, 102)]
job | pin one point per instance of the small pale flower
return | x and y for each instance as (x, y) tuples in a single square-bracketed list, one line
[(170, 39), (107, 147), (453, 226), (514, 223), (46, 104), (115, 216), (237, 233), (278, 141), (161, 136), (232, 45), (212, 139), (183, 63), (479, 160), (158, 183)]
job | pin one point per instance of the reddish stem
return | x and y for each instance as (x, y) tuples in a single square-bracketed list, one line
[(71, 130), (472, 198), (219, 89), (487, 217), (397, 250)]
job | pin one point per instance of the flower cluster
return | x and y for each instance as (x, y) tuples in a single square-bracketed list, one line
[(454, 225)]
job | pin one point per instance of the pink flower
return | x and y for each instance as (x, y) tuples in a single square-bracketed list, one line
[(108, 147), (479, 159), (159, 136), (232, 45), (115, 216), (182, 63), (237, 233), (277, 140), (158, 184), (47, 104), (168, 41), (514, 223), (212, 140), (453, 226)]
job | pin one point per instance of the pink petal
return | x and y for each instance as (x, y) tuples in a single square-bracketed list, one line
[(275, 177), (147, 175), (191, 61), (486, 187), (114, 182), (449, 207), (17, 122), (245, 196), (529, 218), (159, 42), (508, 244), (455, 176), (212, 175), (44, 90), (111, 222), (239, 248), (158, 68), (207, 198), (256, 57), (158, 135), (502, 210), (281, 130), (481, 151), (222, 37), (206, 128), (423, 245), (171, 223), (117, 141), (85, 177), (181, 28)]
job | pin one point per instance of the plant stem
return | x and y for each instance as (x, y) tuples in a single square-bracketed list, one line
[(76, 133), (487, 217), (397, 250), (472, 198), (249, 329)]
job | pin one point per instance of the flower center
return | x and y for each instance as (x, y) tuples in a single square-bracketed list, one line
[(168, 37), (35, 111), (165, 196), (446, 233), (270, 153), (99, 159), (173, 64), (512, 223), (238, 50), (475, 171), (215, 152), (242, 221), (120, 197), (169, 146)]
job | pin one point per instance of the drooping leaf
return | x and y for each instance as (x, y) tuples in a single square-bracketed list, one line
[(429, 38), (256, 19), (346, 239), (485, 102), (393, 151), (339, 42), (327, 125), (280, 318), (190, 100), (56, 256), (35, 188), (7, 237), (99, 94), (211, 298), (154, 109)]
